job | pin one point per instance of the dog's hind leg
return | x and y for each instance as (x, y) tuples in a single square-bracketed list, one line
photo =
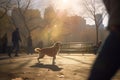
[(40, 56), (53, 62), (38, 59)]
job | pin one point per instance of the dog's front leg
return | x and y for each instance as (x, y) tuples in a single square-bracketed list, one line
[(53, 62)]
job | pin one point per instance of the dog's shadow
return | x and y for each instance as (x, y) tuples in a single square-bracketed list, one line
[(47, 66)]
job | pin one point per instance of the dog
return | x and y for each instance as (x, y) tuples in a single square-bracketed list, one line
[(49, 51)]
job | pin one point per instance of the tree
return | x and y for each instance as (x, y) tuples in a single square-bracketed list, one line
[(96, 12), (4, 17), (25, 18), (4, 24), (49, 16), (22, 8), (50, 20), (4, 6)]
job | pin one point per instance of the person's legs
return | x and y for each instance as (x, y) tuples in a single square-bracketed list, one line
[(29, 50), (10, 51), (4, 48), (16, 49), (107, 62)]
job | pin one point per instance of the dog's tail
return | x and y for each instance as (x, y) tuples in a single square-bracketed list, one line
[(37, 50)]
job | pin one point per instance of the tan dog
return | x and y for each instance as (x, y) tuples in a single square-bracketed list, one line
[(50, 51)]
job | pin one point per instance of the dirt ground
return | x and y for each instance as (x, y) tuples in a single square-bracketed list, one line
[(74, 66)]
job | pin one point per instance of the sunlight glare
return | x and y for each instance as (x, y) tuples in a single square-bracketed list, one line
[(65, 1), (70, 6)]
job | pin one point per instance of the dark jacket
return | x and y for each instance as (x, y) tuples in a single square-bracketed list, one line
[(16, 36)]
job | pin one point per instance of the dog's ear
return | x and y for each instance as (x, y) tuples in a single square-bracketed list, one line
[(57, 44)]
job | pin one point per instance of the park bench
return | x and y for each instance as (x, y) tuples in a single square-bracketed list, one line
[(77, 47)]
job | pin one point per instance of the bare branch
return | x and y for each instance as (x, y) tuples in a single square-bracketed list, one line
[(101, 19), (93, 10), (29, 1), (89, 9), (4, 13), (22, 16), (4, 7)]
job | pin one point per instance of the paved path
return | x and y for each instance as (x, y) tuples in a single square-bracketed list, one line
[(68, 67)]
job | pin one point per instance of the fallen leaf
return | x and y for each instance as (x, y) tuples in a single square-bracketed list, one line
[(17, 79)]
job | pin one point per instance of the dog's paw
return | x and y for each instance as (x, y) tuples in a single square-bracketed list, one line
[(38, 61), (53, 63)]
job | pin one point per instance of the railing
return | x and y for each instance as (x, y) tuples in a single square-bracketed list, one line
[(77, 47)]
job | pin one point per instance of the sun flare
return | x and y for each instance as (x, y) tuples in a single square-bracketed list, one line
[(71, 6), (65, 1)]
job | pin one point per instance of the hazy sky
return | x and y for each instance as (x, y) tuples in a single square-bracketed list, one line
[(73, 7)]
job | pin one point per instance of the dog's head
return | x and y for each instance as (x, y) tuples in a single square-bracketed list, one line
[(57, 44), (37, 50)]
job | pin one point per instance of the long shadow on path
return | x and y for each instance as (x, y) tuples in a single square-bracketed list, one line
[(75, 59), (4, 57), (48, 66)]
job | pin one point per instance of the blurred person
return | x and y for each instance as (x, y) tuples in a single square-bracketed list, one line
[(4, 41), (15, 41), (107, 62), (29, 45)]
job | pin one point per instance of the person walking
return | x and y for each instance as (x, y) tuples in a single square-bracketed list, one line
[(15, 41)]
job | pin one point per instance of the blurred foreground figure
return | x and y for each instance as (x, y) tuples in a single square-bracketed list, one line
[(107, 62), (15, 40)]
